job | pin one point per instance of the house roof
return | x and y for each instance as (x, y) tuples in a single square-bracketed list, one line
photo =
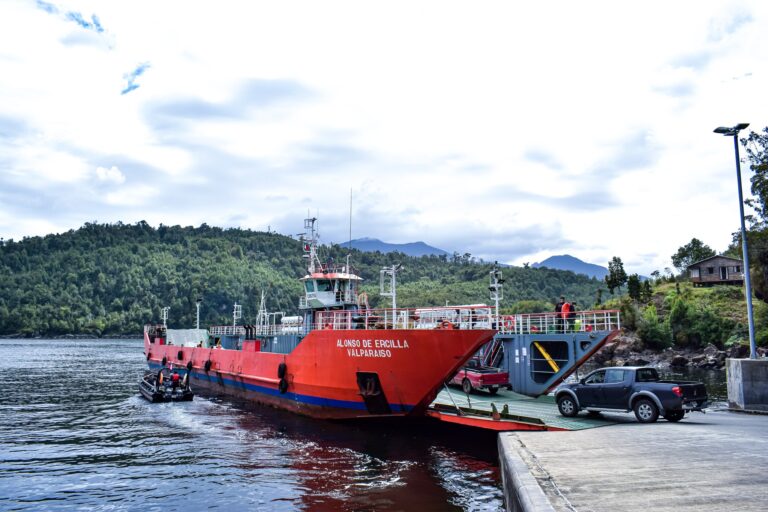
[(713, 257)]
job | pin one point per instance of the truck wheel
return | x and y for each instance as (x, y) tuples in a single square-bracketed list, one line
[(674, 416), (567, 406), (466, 386), (493, 390), (646, 411)]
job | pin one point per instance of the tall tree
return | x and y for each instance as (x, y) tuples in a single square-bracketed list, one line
[(756, 146), (634, 287), (616, 276), (646, 292), (693, 251)]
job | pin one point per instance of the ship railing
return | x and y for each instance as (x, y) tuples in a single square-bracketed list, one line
[(227, 330), (449, 317), (544, 323)]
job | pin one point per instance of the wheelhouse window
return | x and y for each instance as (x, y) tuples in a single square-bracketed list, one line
[(324, 285), (310, 286)]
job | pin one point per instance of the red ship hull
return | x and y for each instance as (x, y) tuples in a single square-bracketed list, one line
[(334, 374)]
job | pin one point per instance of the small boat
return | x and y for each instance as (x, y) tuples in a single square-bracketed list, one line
[(162, 386)]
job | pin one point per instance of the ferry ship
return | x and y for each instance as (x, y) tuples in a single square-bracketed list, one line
[(337, 359)]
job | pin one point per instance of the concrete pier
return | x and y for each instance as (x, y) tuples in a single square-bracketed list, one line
[(707, 462)]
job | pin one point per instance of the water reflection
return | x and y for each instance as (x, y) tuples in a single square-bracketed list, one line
[(75, 434)]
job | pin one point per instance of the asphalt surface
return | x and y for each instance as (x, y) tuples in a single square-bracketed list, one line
[(707, 462)]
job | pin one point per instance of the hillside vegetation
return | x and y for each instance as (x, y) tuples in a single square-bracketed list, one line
[(107, 279), (681, 316)]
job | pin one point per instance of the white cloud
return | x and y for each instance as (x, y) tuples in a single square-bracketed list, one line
[(470, 126), (111, 175)]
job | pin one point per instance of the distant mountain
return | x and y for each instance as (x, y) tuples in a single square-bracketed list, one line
[(411, 249), (575, 265)]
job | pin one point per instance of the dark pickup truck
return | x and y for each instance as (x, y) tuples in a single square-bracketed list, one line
[(631, 388)]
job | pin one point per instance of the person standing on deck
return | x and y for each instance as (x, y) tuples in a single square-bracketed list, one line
[(565, 313), (572, 317), (558, 314)]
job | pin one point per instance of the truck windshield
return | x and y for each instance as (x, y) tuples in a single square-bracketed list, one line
[(647, 375)]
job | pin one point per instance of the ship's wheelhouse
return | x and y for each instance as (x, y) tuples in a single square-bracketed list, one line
[(329, 290)]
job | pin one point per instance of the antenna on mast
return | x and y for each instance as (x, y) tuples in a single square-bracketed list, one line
[(237, 313), (388, 282), (165, 316), (496, 287)]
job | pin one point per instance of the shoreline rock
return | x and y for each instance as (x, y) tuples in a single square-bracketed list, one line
[(628, 350)]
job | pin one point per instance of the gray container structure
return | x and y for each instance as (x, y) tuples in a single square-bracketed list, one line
[(747, 384)]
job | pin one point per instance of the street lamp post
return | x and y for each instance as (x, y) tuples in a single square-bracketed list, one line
[(734, 132)]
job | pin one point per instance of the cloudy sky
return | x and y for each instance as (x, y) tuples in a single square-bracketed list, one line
[(510, 130)]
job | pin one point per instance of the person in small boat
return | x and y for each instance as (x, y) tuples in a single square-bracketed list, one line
[(175, 379)]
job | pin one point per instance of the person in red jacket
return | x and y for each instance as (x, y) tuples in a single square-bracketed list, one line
[(565, 312), (559, 314)]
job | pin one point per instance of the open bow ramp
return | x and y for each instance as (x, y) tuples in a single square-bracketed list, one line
[(506, 411), (538, 351)]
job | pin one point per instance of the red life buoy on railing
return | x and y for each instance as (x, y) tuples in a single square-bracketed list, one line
[(509, 322)]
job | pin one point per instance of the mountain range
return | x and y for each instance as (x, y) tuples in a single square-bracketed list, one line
[(575, 265), (561, 262), (410, 249)]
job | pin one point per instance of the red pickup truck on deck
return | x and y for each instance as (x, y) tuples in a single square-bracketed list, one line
[(476, 376)]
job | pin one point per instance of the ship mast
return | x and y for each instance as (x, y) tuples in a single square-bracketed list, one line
[(497, 288), (309, 243)]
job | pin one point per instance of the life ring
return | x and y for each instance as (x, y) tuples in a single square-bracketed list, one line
[(207, 366), (283, 386), (281, 369), (509, 322), (445, 324), (165, 362)]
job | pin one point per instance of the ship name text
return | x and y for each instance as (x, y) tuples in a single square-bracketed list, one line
[(371, 348)]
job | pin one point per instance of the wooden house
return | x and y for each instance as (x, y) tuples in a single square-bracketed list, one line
[(716, 270)]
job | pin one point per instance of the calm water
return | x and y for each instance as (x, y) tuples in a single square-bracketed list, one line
[(75, 434)]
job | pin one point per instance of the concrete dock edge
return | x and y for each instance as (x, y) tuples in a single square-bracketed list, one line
[(522, 492)]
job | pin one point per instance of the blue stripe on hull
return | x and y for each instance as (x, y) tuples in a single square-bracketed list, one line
[(288, 396)]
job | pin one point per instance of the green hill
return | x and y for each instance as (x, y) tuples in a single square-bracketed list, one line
[(681, 316), (106, 279)]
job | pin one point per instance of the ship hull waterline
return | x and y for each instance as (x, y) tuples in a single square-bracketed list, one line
[(325, 374)]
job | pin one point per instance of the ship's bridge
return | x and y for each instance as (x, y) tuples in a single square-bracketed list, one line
[(329, 289)]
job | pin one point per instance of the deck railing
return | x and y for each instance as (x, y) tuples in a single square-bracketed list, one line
[(544, 323), (450, 317)]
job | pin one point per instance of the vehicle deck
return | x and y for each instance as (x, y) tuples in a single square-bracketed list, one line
[(521, 413)]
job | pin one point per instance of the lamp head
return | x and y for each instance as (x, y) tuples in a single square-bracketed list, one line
[(733, 131)]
